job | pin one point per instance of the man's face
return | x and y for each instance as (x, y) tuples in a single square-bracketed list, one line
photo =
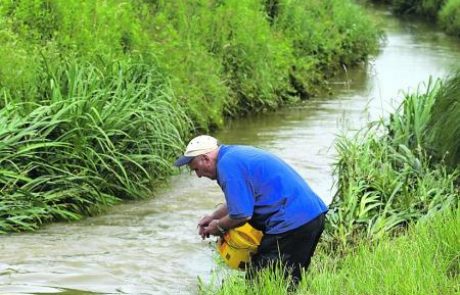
[(203, 165)]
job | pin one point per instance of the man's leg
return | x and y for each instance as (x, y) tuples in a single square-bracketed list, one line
[(293, 249), (298, 246)]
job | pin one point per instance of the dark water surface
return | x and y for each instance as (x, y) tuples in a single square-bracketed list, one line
[(152, 247)]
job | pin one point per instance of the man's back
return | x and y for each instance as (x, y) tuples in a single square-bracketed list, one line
[(259, 184)]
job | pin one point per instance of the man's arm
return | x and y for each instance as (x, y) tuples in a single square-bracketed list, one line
[(218, 227), (204, 222), (219, 222), (220, 212)]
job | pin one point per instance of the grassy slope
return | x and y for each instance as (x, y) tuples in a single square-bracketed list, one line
[(425, 261)]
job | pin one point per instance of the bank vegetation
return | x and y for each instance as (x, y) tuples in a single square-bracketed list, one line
[(392, 227), (446, 13), (98, 97)]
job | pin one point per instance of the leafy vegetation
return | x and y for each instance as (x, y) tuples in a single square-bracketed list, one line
[(445, 12), (392, 226), (388, 176), (97, 97), (444, 124), (425, 261), (449, 17), (95, 139)]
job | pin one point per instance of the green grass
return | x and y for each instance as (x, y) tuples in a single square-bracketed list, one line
[(387, 176), (97, 97), (234, 283), (90, 142), (392, 227), (425, 261), (444, 124), (221, 58), (445, 12)]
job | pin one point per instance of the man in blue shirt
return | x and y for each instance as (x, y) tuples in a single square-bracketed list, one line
[(263, 190)]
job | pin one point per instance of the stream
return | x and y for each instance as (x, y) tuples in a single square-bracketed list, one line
[(152, 246)]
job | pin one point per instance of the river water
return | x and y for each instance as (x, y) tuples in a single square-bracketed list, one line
[(152, 246)]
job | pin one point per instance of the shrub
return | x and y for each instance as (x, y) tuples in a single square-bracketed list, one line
[(449, 17)]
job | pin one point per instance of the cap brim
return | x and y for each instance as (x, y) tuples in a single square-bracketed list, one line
[(183, 161)]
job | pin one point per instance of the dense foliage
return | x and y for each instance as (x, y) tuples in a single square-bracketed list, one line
[(394, 174), (97, 97), (97, 137), (445, 12), (444, 124)]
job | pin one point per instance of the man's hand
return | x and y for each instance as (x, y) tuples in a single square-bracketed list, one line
[(211, 229), (202, 224)]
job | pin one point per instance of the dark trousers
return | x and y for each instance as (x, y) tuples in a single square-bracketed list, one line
[(293, 249)]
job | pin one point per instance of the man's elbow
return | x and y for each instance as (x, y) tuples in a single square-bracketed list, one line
[(240, 221)]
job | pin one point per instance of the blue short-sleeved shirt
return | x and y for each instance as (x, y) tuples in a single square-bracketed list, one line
[(260, 185)]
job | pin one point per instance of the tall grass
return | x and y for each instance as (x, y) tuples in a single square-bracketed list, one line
[(387, 176), (392, 228), (444, 123), (222, 58), (325, 36), (93, 141), (445, 12), (425, 261), (383, 188), (97, 97)]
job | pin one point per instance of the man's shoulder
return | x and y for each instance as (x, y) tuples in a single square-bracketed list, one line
[(239, 152)]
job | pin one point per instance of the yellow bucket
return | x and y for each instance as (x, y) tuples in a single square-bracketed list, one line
[(238, 244)]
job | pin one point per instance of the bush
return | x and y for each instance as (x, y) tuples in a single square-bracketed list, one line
[(117, 86), (449, 17), (425, 8), (386, 176), (93, 141)]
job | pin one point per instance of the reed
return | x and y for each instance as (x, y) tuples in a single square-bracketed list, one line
[(93, 141), (387, 174), (444, 124), (424, 261), (446, 13), (97, 97)]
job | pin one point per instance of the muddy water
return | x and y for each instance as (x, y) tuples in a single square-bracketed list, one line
[(151, 247)]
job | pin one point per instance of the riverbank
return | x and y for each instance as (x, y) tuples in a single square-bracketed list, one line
[(97, 99), (424, 260), (391, 227), (116, 252), (446, 13)]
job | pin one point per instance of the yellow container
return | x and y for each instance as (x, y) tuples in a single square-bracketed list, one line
[(238, 244)]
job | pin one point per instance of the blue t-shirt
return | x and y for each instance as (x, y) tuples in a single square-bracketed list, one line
[(260, 185)]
